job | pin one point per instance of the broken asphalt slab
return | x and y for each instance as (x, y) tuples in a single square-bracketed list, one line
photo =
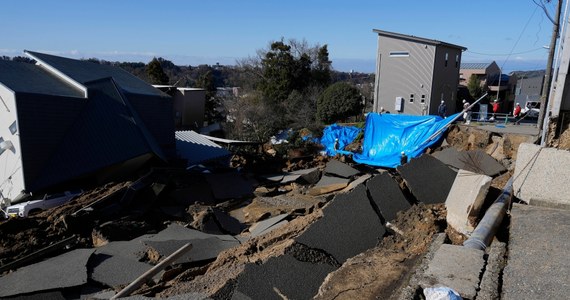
[(465, 199), (282, 277), (105, 295), (118, 263), (360, 180), (202, 249), (387, 196), (541, 176), (66, 270), (310, 176), (337, 168), (115, 270), (50, 295), (178, 232), (456, 267), (328, 184), (227, 223), (428, 179), (265, 226), (476, 161), (348, 227), (537, 264)]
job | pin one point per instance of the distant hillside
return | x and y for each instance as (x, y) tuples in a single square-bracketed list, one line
[(528, 74)]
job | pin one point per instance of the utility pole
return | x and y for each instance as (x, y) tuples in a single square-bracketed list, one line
[(548, 73)]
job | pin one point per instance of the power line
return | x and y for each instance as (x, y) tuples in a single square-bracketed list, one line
[(520, 36), (505, 54)]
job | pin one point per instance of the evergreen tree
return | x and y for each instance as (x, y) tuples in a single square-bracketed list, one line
[(207, 82), (321, 73), (156, 73), (338, 102), (474, 86)]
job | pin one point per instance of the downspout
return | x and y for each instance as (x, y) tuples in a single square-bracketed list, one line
[(485, 231)]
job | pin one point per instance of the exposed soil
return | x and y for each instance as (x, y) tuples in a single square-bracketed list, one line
[(231, 262), (378, 272), (20, 237)]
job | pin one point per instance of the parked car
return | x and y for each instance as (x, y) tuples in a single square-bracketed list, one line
[(31, 207), (531, 109)]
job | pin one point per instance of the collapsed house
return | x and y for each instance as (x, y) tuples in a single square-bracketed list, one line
[(65, 121)]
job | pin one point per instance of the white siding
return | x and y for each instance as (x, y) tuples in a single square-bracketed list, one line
[(404, 76), (11, 176)]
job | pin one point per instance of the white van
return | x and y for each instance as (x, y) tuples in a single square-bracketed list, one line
[(531, 109), (31, 207)]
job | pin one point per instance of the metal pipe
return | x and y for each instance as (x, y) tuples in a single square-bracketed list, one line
[(150, 273), (485, 230)]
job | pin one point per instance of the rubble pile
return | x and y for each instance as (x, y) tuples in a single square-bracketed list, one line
[(311, 227)]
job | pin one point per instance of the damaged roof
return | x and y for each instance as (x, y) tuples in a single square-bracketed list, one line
[(30, 78), (98, 137), (76, 118), (84, 71), (196, 148)]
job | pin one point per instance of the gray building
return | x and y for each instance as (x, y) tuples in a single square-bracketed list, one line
[(529, 87), (413, 74)]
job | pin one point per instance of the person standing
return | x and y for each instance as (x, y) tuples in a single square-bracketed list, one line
[(466, 112), (496, 108), (442, 109), (403, 158), (517, 113)]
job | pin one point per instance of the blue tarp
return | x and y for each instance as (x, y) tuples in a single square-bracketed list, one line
[(387, 135), (344, 134)]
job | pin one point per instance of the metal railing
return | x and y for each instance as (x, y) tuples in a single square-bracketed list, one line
[(498, 118)]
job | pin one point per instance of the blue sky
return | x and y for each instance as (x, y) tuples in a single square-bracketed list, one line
[(197, 32)]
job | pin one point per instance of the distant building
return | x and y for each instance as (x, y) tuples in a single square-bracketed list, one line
[(66, 121), (483, 71), (529, 87), (413, 74), (497, 85)]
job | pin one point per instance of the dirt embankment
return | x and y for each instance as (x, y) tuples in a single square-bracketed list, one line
[(378, 272)]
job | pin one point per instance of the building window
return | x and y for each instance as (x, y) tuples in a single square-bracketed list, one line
[(423, 100), (399, 54), (456, 60), (411, 98), (446, 58), (13, 128)]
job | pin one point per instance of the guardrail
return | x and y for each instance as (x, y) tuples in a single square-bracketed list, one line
[(498, 118)]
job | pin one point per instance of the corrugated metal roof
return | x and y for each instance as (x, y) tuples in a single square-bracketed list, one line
[(85, 71), (196, 148), (475, 66), (28, 78)]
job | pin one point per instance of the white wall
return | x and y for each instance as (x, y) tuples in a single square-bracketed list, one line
[(11, 176)]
